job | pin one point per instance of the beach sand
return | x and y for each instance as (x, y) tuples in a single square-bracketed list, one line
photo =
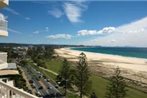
[(132, 68)]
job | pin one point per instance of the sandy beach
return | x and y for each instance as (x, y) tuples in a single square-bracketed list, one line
[(132, 68)]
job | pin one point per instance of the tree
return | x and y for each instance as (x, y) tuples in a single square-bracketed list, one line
[(82, 76), (23, 62), (41, 63), (65, 70), (93, 95), (117, 86), (65, 74)]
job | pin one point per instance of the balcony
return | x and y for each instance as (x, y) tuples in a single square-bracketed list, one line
[(3, 26), (4, 3), (7, 91), (3, 57)]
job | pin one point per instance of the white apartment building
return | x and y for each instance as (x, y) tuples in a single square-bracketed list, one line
[(3, 32), (4, 66), (7, 90)]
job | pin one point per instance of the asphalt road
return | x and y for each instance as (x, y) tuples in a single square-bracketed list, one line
[(42, 86)]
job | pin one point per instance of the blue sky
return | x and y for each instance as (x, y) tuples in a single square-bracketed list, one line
[(77, 22)]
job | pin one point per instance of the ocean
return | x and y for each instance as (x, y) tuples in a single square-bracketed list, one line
[(122, 51)]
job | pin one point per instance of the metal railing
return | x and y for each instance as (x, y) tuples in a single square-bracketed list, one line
[(7, 91)]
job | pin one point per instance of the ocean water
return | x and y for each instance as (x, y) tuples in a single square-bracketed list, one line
[(123, 51)]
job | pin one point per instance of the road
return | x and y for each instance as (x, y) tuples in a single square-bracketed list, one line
[(41, 84)]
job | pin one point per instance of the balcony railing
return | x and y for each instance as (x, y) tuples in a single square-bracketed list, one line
[(3, 25), (3, 57), (7, 91), (3, 28)]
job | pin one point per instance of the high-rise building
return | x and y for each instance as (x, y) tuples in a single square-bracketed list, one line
[(7, 90), (4, 66)]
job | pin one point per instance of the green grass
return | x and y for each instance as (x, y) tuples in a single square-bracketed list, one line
[(99, 86), (70, 95), (54, 65), (48, 74), (132, 93)]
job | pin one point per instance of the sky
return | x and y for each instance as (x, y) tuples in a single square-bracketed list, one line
[(104, 23)]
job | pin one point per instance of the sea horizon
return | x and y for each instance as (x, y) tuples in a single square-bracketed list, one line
[(137, 52)]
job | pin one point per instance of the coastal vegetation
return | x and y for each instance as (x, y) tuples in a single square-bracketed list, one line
[(98, 83), (117, 86), (64, 76), (82, 76)]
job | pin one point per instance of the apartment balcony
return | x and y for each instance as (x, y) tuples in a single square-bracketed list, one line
[(4, 3), (3, 57), (3, 26), (7, 91)]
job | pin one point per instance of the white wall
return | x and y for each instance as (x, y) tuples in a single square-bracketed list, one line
[(3, 57)]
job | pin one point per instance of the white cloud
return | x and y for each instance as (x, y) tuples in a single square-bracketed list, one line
[(73, 11), (27, 18), (59, 36), (46, 29), (14, 31), (87, 32), (113, 40), (106, 30), (36, 32), (14, 12), (56, 13), (131, 34), (134, 27), (11, 11)]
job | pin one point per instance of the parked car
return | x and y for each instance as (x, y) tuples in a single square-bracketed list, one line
[(30, 81), (40, 87)]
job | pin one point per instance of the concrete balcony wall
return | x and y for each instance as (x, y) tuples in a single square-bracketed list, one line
[(3, 57), (3, 26), (7, 91), (4, 3)]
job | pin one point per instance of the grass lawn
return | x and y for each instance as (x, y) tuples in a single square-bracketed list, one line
[(48, 74), (70, 95), (54, 65), (99, 86)]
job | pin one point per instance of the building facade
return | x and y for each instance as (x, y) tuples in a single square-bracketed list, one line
[(7, 90)]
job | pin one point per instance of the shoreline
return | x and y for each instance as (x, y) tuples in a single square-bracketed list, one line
[(104, 64), (70, 48), (69, 51), (132, 63)]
